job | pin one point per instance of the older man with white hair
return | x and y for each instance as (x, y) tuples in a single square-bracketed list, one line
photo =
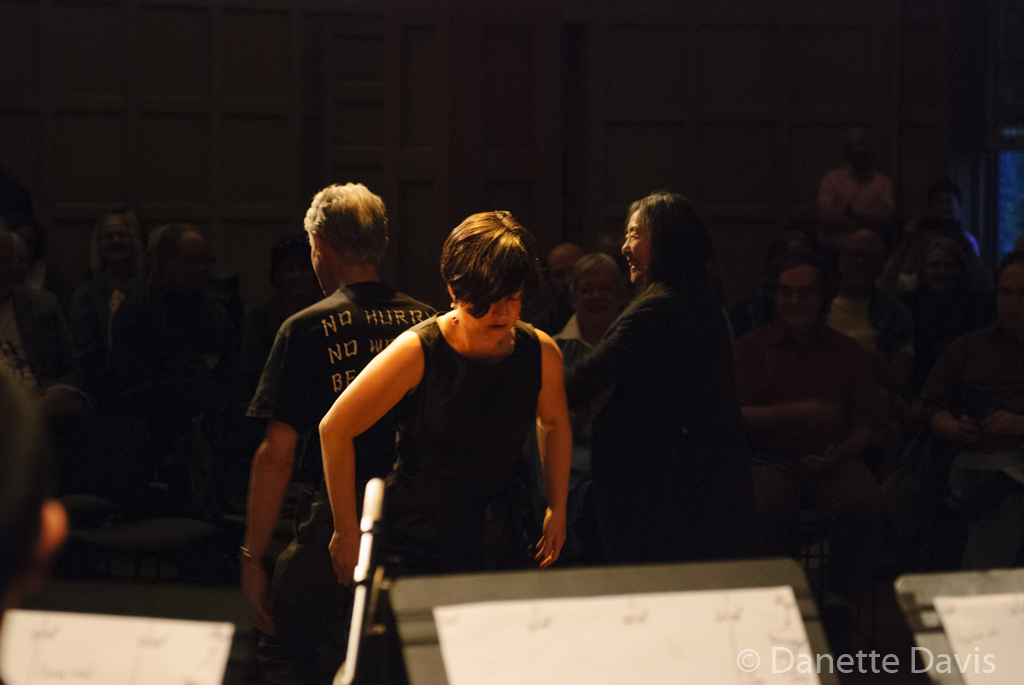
[(316, 354)]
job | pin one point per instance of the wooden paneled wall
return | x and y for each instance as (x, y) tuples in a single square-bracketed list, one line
[(232, 113), (742, 105), (187, 111)]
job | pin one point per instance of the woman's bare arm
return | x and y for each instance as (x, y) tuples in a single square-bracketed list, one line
[(378, 388), (555, 434)]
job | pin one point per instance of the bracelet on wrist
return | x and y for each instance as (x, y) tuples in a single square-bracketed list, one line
[(246, 557)]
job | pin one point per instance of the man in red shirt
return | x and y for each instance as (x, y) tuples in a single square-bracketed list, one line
[(810, 402)]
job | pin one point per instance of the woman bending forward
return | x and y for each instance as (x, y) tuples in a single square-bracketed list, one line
[(470, 385)]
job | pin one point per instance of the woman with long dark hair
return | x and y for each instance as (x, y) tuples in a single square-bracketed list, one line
[(475, 382), (670, 471)]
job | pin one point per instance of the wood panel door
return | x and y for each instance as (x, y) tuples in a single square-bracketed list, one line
[(384, 121), (506, 151), (182, 110)]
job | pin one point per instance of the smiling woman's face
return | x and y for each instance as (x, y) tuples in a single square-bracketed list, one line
[(637, 248)]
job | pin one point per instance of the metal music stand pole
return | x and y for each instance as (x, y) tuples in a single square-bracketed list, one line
[(373, 499)]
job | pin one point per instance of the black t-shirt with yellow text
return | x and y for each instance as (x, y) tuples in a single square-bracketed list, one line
[(317, 353)]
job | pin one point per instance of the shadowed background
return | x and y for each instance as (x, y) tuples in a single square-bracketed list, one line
[(232, 114)]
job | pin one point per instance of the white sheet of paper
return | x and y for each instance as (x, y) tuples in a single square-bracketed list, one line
[(661, 637), (980, 626), (44, 647)]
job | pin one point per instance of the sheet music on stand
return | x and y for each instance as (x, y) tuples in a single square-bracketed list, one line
[(711, 636), (413, 600), (951, 614), (986, 633), (42, 647)]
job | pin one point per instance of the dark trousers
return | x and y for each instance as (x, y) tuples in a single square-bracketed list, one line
[(310, 608)]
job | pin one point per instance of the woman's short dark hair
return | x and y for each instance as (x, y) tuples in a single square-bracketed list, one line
[(487, 258), (23, 478), (680, 248)]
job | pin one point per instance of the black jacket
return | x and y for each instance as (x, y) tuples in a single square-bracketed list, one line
[(670, 468)]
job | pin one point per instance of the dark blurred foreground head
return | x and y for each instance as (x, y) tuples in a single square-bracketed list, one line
[(32, 528)]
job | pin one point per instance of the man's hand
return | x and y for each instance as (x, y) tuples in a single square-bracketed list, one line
[(550, 544), (254, 585), (808, 414), (1003, 423), (963, 430), (823, 463), (345, 551)]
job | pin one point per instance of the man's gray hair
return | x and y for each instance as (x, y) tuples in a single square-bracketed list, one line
[(598, 261), (352, 220)]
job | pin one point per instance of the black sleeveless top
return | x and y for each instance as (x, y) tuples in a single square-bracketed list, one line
[(462, 446)]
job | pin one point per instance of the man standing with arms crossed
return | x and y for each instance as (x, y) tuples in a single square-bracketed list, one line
[(316, 354)]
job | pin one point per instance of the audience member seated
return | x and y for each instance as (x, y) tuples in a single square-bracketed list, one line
[(940, 220), (944, 200), (881, 323), (610, 243), (759, 309), (943, 306), (173, 346), (32, 528), (855, 195), (35, 343), (115, 260), (598, 293), (811, 405), (36, 348), (41, 274), (295, 288), (975, 399), (555, 309)]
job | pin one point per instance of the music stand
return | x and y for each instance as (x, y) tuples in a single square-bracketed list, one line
[(916, 593), (161, 600), (413, 599)]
